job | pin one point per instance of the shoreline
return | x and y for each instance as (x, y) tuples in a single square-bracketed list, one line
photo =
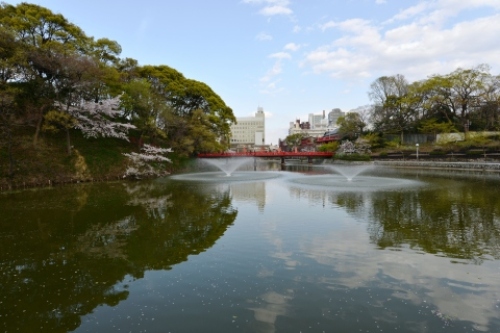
[(489, 167), (443, 165)]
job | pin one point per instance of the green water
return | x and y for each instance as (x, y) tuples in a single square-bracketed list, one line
[(273, 253)]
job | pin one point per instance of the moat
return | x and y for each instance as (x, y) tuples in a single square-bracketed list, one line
[(300, 250)]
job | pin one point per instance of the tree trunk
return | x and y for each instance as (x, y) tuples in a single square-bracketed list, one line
[(9, 152), (68, 142), (37, 131)]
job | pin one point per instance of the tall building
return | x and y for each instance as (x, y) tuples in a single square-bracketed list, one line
[(333, 116), (249, 132), (317, 124)]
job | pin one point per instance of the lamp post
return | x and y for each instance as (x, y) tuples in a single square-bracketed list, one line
[(416, 145)]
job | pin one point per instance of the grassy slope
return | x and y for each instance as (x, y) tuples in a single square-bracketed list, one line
[(91, 159)]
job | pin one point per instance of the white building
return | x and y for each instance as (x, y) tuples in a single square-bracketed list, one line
[(317, 124), (249, 132)]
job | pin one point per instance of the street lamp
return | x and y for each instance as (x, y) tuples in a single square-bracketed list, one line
[(416, 145)]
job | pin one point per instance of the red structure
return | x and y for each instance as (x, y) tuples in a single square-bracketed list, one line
[(274, 154), (329, 137)]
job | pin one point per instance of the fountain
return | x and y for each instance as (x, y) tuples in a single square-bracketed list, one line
[(228, 165), (227, 171), (348, 179), (349, 171)]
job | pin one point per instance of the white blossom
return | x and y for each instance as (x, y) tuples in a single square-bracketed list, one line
[(98, 119), (143, 163)]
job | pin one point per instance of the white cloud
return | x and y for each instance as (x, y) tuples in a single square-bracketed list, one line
[(269, 82), (263, 36), (272, 7), (274, 71), (280, 55), (292, 47), (410, 12), (429, 42), (275, 10)]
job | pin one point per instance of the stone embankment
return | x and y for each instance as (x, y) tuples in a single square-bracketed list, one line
[(472, 165)]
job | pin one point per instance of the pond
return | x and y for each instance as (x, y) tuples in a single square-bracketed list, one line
[(298, 248)]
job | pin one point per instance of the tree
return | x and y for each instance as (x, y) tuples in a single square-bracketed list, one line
[(394, 108), (45, 38), (434, 127), (101, 119), (55, 120), (351, 125), (148, 162), (184, 97), (458, 94), (9, 110), (295, 140)]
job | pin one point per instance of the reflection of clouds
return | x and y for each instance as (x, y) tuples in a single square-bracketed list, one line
[(465, 292), (427, 282), (254, 192), (250, 192), (272, 305)]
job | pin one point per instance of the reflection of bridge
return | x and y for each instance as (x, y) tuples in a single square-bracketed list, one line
[(272, 154)]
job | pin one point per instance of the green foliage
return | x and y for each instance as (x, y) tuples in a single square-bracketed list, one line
[(49, 66), (351, 125), (294, 140), (329, 147), (56, 120), (474, 140), (375, 140), (434, 127)]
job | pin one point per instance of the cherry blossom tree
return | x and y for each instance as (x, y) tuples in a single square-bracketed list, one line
[(100, 119), (147, 163)]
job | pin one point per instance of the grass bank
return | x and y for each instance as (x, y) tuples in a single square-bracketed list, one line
[(91, 160)]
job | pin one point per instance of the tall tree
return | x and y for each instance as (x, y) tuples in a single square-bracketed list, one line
[(46, 39), (10, 114), (351, 125), (394, 108), (184, 97), (458, 94)]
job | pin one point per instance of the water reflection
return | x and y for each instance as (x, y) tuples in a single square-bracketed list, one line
[(64, 251), (109, 257), (452, 219)]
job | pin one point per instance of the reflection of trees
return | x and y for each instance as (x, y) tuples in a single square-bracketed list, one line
[(61, 256), (351, 201), (458, 221)]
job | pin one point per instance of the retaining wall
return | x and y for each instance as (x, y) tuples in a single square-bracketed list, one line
[(478, 166)]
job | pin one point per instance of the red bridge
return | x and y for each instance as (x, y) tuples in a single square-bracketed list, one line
[(271, 154)]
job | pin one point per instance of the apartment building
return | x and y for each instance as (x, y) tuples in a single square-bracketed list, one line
[(317, 124), (249, 132)]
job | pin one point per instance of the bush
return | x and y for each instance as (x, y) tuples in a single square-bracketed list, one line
[(375, 140), (329, 147)]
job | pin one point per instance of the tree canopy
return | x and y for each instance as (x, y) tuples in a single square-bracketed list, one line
[(465, 99), (54, 77)]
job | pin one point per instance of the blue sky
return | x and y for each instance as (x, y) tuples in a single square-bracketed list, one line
[(295, 57)]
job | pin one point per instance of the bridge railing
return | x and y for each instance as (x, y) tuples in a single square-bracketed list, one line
[(267, 154)]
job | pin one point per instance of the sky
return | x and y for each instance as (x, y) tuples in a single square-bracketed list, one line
[(295, 57)]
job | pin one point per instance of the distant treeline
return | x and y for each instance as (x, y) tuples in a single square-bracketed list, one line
[(461, 101)]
